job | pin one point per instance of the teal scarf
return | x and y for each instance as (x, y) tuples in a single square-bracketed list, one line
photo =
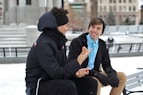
[(94, 45)]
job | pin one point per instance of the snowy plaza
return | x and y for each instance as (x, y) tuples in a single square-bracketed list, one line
[(12, 75)]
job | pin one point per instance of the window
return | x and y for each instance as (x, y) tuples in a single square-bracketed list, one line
[(114, 7), (110, 1), (0, 12), (124, 1), (101, 8), (110, 8), (120, 8), (83, 0), (104, 8), (130, 8), (130, 1), (104, 17), (134, 1), (124, 8), (134, 17), (124, 17), (28, 2), (120, 1), (134, 8)]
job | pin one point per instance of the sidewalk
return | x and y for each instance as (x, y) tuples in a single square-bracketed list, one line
[(12, 75)]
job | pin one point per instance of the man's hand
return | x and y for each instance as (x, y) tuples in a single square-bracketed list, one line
[(82, 72), (83, 55), (113, 80), (101, 77)]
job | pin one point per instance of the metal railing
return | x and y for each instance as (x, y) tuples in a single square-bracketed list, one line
[(121, 49), (14, 51), (125, 49)]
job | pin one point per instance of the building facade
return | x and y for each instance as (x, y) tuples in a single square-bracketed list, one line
[(121, 10), (0, 12), (26, 11)]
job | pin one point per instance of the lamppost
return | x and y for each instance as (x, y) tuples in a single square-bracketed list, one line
[(46, 4), (62, 3)]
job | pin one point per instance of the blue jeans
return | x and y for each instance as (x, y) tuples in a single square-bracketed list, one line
[(28, 91)]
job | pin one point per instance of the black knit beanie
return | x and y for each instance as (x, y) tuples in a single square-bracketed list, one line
[(52, 19), (60, 15)]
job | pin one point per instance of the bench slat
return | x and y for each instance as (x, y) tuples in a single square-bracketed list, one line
[(134, 75), (129, 87), (134, 80)]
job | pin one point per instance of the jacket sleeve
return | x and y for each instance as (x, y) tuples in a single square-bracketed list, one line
[(74, 49), (106, 62), (47, 59)]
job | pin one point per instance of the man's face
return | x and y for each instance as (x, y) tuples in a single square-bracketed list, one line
[(63, 28), (95, 31)]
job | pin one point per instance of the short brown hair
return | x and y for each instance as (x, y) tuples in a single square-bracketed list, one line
[(97, 21)]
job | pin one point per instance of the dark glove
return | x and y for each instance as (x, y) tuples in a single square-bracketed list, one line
[(113, 79), (102, 78)]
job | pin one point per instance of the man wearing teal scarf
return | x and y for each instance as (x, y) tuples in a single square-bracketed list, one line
[(98, 57)]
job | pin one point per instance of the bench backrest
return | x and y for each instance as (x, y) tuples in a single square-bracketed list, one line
[(134, 80)]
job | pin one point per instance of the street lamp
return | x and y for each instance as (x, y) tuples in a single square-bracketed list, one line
[(62, 3)]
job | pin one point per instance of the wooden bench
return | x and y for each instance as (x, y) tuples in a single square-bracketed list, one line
[(133, 81)]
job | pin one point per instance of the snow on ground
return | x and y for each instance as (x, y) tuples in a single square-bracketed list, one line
[(12, 79), (12, 75), (128, 65)]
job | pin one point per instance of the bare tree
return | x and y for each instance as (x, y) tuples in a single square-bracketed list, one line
[(111, 19), (94, 8), (141, 20)]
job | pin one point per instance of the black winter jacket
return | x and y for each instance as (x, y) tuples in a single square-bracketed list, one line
[(47, 59), (102, 57)]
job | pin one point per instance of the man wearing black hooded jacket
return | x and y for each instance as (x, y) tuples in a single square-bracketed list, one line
[(47, 69)]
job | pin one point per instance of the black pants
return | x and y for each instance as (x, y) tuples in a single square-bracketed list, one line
[(86, 85), (55, 87)]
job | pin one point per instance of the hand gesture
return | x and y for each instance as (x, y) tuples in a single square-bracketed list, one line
[(83, 55), (82, 72)]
